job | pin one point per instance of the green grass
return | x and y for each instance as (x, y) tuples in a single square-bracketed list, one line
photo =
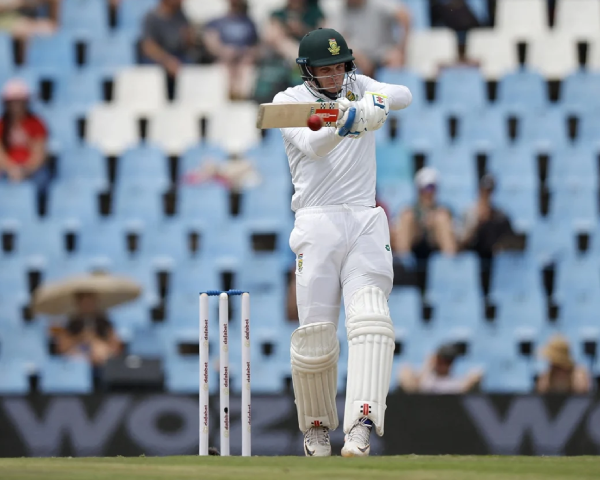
[(298, 468)]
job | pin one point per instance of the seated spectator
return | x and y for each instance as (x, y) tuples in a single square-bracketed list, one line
[(168, 38), (88, 332), (233, 40), (83, 300), (370, 27), (22, 138), (436, 376), (22, 18), (290, 24), (563, 375), (426, 226), (486, 227)]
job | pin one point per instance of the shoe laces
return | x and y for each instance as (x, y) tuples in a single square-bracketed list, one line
[(318, 435), (361, 431)]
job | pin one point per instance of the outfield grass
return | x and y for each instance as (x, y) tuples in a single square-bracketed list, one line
[(298, 468)]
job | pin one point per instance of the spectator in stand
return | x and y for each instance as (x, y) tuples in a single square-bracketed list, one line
[(563, 375), (290, 24), (486, 227), (233, 41), (370, 27), (436, 376), (426, 226), (22, 138), (168, 39), (23, 19)]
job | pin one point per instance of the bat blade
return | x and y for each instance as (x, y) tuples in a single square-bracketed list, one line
[(294, 115)]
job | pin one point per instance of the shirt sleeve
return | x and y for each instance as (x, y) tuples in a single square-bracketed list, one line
[(314, 145), (399, 96), (149, 27)]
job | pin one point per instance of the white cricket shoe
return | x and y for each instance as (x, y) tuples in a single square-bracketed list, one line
[(357, 440), (317, 443)]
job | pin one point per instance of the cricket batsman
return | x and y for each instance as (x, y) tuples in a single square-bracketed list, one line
[(342, 246)]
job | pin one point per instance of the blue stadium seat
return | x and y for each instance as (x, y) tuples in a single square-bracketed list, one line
[(395, 195), (261, 273), (268, 309), (137, 204), (14, 291), (405, 306), (577, 278), (51, 56), (454, 164), (75, 265), (268, 200), (549, 240), (544, 132), (103, 238), (450, 276), (164, 244), (6, 56), (575, 205), (24, 343), (409, 79), (514, 166), (108, 54), (271, 163), (40, 242), (515, 274), (66, 375), (191, 160), (581, 91), (127, 319), (131, 14), (522, 91), (73, 204), (228, 243), (461, 90), (194, 277), (424, 129), (78, 91), (462, 309), (520, 204), (480, 10), (484, 130), (142, 272), (182, 374), (83, 164), (207, 204), (281, 228), (18, 202), (13, 378), (61, 122), (589, 126), (457, 193), (394, 164), (148, 342), (84, 18), (144, 165), (182, 309), (578, 313), (514, 375), (576, 166), (513, 311)]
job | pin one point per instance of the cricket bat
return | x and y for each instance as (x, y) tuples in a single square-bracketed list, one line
[(292, 115)]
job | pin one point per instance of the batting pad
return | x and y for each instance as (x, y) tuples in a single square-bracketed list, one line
[(370, 355), (314, 353)]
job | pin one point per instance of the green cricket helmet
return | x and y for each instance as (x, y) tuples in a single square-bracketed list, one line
[(320, 48)]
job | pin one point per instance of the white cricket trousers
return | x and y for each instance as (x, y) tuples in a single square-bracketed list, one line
[(339, 249)]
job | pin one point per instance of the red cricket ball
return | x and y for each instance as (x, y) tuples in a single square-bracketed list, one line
[(314, 122)]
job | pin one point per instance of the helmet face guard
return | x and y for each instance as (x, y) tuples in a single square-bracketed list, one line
[(341, 81), (324, 47)]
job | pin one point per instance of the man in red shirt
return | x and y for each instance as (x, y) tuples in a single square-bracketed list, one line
[(22, 137)]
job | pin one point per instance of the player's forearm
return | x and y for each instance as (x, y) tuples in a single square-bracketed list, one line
[(399, 96), (314, 145)]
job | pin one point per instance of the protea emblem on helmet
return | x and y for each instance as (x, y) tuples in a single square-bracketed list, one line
[(334, 48)]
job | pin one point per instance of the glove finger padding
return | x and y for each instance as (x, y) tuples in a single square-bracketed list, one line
[(376, 108), (352, 124)]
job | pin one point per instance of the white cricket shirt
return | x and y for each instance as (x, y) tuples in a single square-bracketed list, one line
[(346, 173)]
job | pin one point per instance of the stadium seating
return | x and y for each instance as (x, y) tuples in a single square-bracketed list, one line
[(137, 146)]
